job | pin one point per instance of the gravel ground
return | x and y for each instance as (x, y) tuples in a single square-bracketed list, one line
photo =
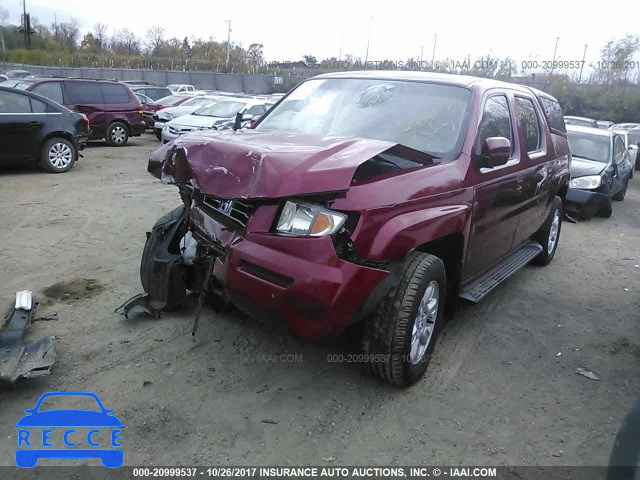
[(502, 389)]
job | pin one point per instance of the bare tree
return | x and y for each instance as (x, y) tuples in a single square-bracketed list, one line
[(125, 41), (155, 39), (66, 34), (100, 35)]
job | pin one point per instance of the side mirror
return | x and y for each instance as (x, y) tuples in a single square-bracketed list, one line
[(633, 147), (495, 152)]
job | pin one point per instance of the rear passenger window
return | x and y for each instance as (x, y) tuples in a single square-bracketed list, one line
[(12, 102), (496, 121), (84, 93), (38, 107), (553, 112), (529, 123), (51, 90), (114, 93)]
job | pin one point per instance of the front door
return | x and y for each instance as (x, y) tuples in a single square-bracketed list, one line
[(497, 192)]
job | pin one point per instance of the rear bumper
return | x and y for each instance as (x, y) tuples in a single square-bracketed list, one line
[(138, 128), (81, 141), (585, 203), (297, 281)]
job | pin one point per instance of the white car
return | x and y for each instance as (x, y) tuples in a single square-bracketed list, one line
[(181, 88), (216, 116), (164, 115)]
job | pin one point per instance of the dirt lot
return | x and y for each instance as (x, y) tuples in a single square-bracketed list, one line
[(502, 389)]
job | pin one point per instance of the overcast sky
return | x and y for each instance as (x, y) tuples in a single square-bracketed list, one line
[(398, 29)]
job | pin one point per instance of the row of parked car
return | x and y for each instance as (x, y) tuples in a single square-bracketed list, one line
[(604, 158), (50, 119)]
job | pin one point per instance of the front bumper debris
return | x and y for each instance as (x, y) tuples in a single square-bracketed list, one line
[(585, 203), (23, 358)]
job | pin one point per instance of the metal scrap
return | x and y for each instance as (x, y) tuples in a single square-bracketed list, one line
[(23, 358)]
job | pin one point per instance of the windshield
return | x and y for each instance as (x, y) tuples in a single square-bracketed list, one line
[(23, 85), (223, 109), (427, 117), (170, 99), (197, 102), (591, 147)]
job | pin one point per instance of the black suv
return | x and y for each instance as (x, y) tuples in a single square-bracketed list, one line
[(34, 128)]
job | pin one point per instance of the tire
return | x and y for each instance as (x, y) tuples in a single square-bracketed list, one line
[(621, 194), (158, 134), (549, 233), (117, 134), (58, 155), (388, 334), (624, 461)]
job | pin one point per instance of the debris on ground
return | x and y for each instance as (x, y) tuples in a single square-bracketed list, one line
[(47, 318), (586, 373), (21, 358)]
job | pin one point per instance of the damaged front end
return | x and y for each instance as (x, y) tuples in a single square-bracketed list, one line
[(23, 358), (257, 229)]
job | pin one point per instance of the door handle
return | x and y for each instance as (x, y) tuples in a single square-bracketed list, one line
[(34, 124)]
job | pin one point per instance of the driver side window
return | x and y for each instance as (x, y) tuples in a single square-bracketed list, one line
[(496, 121)]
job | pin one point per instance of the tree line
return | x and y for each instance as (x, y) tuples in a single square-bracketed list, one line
[(612, 93)]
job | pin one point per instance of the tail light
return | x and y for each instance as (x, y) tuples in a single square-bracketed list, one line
[(85, 119)]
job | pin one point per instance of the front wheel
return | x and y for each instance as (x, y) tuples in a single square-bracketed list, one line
[(549, 233), (117, 134), (58, 155), (621, 194), (400, 336)]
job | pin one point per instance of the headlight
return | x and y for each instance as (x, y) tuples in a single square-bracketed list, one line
[(587, 183), (309, 220), (165, 116)]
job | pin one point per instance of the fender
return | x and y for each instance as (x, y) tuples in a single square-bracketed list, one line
[(410, 230)]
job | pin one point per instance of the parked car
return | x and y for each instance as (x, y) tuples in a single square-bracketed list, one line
[(625, 126), (217, 116), (114, 112), (604, 124), (631, 139), (188, 106), (582, 121), (151, 91), (150, 107), (181, 88), (135, 82), (373, 197), (36, 129), (600, 171), (17, 73), (11, 83), (3, 77)]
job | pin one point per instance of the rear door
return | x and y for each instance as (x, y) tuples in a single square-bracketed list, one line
[(86, 97), (19, 127), (537, 167), (497, 194), (116, 97)]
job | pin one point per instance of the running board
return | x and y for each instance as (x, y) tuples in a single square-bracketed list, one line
[(481, 286)]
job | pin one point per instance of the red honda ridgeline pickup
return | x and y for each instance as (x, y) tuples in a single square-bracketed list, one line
[(374, 197)]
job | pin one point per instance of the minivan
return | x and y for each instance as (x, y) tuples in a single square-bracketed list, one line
[(114, 112)]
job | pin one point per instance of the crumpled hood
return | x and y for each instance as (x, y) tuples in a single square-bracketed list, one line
[(262, 164), (581, 168)]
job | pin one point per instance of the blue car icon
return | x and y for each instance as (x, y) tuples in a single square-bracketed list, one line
[(33, 447)]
